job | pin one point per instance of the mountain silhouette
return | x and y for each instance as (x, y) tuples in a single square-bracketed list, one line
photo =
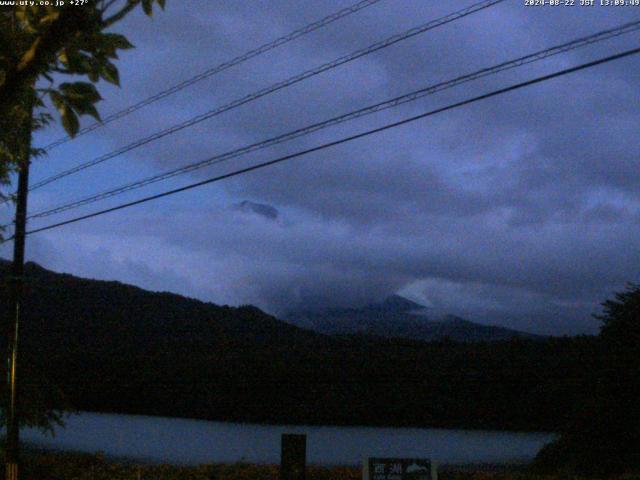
[(399, 317)]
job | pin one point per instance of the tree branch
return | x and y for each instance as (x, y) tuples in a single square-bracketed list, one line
[(60, 32), (121, 14), (106, 5)]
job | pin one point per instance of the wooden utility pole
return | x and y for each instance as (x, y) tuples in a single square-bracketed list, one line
[(293, 457), (16, 285)]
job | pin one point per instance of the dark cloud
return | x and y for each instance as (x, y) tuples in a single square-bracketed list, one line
[(521, 210), (267, 211)]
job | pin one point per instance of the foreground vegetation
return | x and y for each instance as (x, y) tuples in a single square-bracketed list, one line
[(602, 437), (75, 466), (96, 346)]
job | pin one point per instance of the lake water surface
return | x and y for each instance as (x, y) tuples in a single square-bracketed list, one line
[(176, 440)]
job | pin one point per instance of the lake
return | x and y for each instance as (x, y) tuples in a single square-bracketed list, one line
[(184, 441)]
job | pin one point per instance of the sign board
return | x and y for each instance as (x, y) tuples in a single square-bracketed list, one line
[(375, 468)]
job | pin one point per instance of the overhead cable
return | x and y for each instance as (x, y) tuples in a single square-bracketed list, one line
[(273, 88), (219, 68), (410, 97), (350, 138)]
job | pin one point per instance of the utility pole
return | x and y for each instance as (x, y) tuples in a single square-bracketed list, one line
[(16, 285)]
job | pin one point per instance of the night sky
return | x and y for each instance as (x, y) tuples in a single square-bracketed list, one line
[(521, 210)]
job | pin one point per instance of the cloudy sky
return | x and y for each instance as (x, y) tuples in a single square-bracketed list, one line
[(522, 210)]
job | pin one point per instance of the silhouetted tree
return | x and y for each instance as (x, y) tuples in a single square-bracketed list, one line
[(604, 437), (39, 46)]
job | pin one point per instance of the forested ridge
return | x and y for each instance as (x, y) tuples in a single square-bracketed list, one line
[(112, 347)]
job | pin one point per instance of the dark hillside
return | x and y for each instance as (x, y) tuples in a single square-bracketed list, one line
[(114, 347)]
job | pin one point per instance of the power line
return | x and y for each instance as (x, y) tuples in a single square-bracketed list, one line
[(527, 59), (343, 140), (220, 68), (274, 88)]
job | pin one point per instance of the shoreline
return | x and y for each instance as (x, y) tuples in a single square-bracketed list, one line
[(57, 464), (192, 442), (511, 466), (310, 425)]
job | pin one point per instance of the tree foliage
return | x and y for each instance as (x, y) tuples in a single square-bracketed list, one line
[(53, 56), (39, 47), (604, 436)]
